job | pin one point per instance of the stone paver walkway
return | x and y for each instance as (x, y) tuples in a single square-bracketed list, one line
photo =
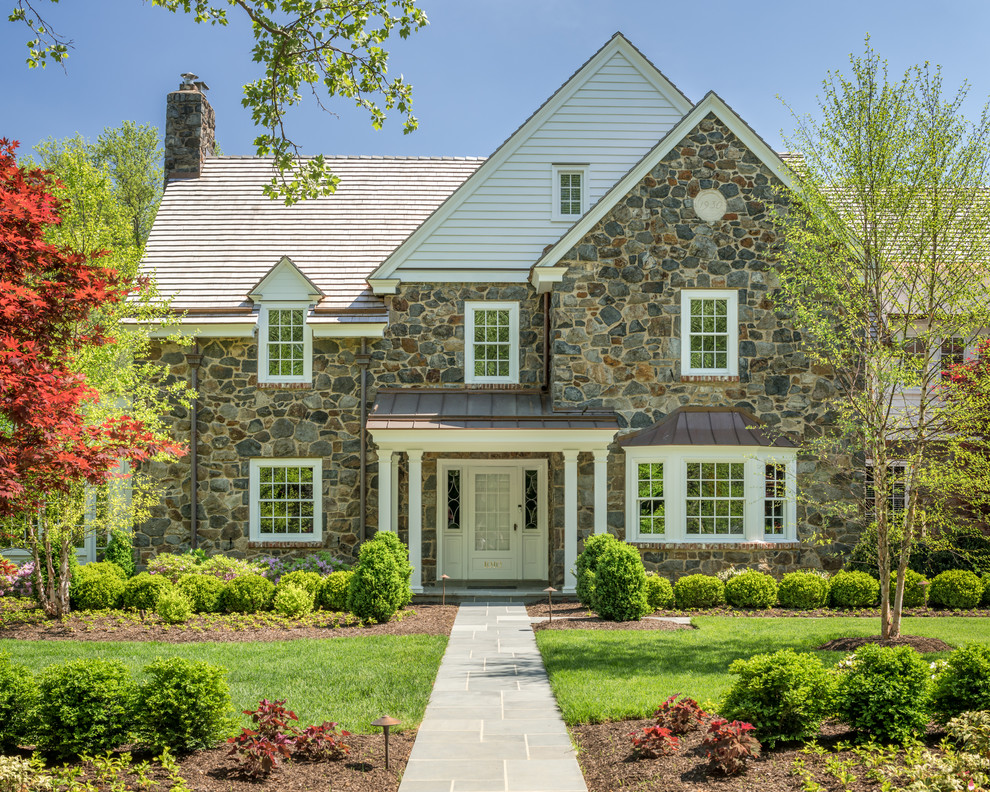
[(492, 724)]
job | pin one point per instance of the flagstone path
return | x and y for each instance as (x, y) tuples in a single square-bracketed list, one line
[(492, 724)]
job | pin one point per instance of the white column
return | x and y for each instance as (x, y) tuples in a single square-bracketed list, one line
[(416, 519), (570, 519), (395, 492), (385, 491), (601, 490)]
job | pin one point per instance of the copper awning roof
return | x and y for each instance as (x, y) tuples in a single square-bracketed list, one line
[(464, 408), (704, 426)]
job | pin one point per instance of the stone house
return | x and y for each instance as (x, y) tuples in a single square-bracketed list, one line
[(495, 357)]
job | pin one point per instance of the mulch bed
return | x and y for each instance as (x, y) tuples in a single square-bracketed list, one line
[(606, 758), (23, 621), (572, 615), (917, 642)]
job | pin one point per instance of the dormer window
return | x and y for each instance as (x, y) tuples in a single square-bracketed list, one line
[(285, 344), (570, 190)]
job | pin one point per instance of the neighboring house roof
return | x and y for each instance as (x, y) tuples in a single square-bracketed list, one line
[(702, 426), (215, 237), (444, 408)]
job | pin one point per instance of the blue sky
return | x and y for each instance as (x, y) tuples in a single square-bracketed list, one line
[(482, 66)]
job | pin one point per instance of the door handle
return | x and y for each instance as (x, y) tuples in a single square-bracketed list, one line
[(515, 527)]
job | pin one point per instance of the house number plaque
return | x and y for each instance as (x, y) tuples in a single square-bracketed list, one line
[(709, 205), (493, 564)]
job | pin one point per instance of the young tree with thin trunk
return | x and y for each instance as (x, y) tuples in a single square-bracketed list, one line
[(884, 266)]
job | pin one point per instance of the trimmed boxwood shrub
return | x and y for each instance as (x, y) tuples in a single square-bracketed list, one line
[(84, 706), (956, 589), (248, 594), (184, 705), (620, 584), (99, 568), (18, 696), (120, 552), (802, 591), (915, 595), (142, 591), (332, 593), (986, 589), (173, 607), (401, 555), (587, 563), (97, 589), (376, 591), (751, 589), (659, 592), (964, 683), (853, 590), (205, 592), (786, 695), (309, 581), (293, 601), (885, 691), (699, 591)]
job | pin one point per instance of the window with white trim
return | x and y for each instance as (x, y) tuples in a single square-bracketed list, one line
[(491, 343), (710, 494), (286, 500), (709, 332), (896, 487), (952, 352), (570, 191), (285, 344)]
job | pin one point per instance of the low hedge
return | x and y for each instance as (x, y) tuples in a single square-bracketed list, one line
[(659, 592), (803, 591), (853, 590), (751, 589), (956, 589), (699, 591)]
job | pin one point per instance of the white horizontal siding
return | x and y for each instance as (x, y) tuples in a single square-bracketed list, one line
[(608, 123)]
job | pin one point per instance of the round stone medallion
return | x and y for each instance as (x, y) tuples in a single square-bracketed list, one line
[(709, 205)]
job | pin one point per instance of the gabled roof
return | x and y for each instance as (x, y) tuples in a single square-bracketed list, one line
[(617, 44), (705, 426), (285, 277), (711, 103)]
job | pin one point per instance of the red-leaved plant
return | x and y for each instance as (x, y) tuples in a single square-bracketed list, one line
[(731, 745), (680, 717), (323, 742), (653, 742)]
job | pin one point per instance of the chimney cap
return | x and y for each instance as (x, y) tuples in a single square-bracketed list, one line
[(191, 82)]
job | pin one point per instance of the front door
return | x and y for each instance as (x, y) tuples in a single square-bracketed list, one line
[(495, 526)]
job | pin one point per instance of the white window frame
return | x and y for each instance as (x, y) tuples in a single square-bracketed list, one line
[(263, 375), (675, 460), (731, 296), (254, 483), (558, 171), (869, 483), (470, 308)]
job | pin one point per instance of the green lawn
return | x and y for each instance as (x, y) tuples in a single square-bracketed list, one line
[(349, 680), (600, 675)]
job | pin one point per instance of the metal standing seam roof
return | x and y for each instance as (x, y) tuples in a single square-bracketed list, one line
[(704, 426), (449, 408), (217, 235)]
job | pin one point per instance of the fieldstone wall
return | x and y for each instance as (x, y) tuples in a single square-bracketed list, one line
[(189, 132)]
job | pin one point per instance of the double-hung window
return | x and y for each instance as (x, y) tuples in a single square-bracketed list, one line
[(709, 332), (491, 342), (570, 191), (285, 345), (896, 487), (286, 501)]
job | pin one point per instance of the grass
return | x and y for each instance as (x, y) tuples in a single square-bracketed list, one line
[(349, 680), (600, 675)]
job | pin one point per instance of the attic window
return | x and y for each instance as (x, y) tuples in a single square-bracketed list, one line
[(570, 190)]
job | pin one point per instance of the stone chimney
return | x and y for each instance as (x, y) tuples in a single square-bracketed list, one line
[(189, 129)]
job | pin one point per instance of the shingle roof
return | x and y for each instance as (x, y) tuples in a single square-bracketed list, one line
[(217, 235), (706, 426)]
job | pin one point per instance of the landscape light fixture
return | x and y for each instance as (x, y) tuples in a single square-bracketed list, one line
[(386, 722), (443, 599), (550, 590)]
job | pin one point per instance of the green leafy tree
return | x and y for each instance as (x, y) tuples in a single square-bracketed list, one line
[(884, 260), (335, 48)]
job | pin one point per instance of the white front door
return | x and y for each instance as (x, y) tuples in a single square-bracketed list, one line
[(494, 523)]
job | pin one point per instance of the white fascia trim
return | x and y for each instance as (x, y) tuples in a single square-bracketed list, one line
[(382, 286), (712, 103), (731, 296), (492, 440), (543, 279), (470, 307), (348, 329), (190, 328), (312, 291), (263, 375), (617, 43), (675, 459), (254, 485)]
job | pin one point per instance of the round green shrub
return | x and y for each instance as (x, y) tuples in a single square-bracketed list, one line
[(99, 568), (142, 591), (293, 601), (659, 592), (884, 692), (699, 591), (802, 591), (401, 554), (956, 589), (18, 696), (332, 593), (751, 589), (986, 589), (915, 594), (205, 592), (173, 607), (377, 586), (309, 581), (97, 590), (620, 584), (120, 552), (853, 590), (587, 562), (184, 705), (785, 695), (227, 568), (84, 706), (964, 683), (248, 594)]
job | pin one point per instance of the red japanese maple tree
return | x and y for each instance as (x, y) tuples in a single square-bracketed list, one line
[(48, 301)]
